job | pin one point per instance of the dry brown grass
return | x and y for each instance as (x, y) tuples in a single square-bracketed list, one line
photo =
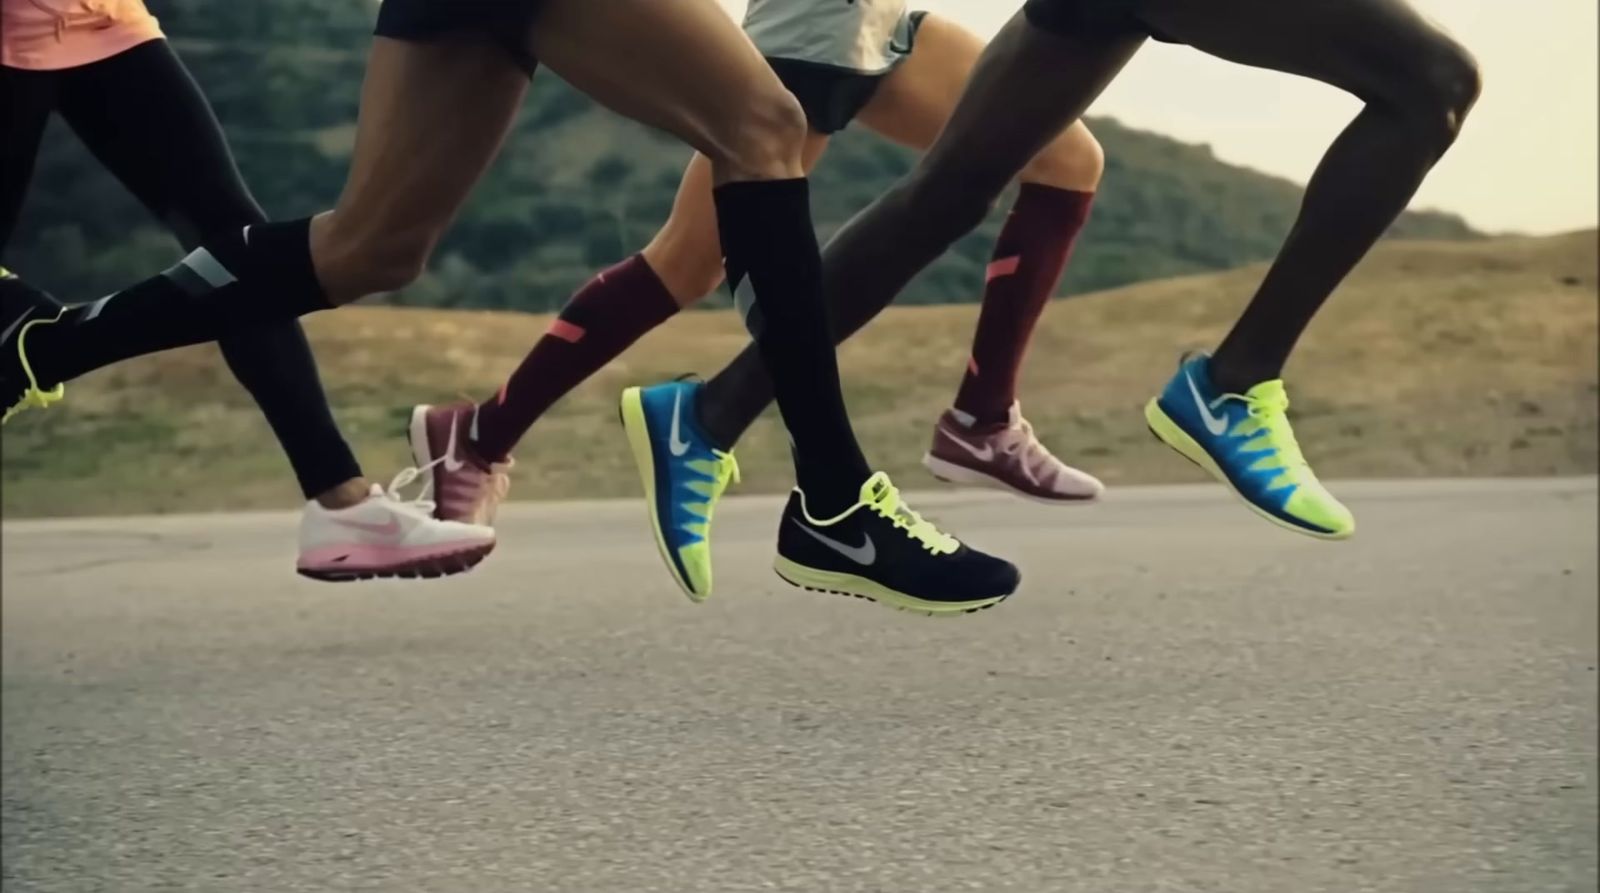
[(1435, 359)]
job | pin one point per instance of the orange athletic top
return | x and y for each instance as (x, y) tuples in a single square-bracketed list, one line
[(45, 35)]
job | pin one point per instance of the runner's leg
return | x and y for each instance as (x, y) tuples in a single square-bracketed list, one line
[(681, 265), (687, 68), (26, 100), (145, 119), (433, 115), (1418, 86), (1026, 88)]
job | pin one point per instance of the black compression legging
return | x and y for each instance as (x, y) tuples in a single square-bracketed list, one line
[(145, 119)]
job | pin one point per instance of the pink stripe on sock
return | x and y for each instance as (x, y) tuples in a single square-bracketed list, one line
[(566, 331), (1005, 266), (972, 365)]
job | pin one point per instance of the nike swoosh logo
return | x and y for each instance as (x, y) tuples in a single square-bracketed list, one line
[(863, 554), (678, 445), (391, 528), (6, 335), (983, 455), (451, 463), (1216, 426)]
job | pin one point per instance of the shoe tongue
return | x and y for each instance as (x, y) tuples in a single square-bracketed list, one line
[(875, 487), (1268, 391)]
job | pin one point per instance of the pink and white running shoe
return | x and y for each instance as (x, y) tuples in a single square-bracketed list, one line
[(386, 536), (467, 487), (1006, 456)]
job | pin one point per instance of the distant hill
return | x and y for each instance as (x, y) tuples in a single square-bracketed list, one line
[(1449, 359), (577, 187)]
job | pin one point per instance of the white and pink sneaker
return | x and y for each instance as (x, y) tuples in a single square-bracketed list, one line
[(1006, 456), (385, 536)]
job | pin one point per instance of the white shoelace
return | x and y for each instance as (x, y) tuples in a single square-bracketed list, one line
[(406, 478)]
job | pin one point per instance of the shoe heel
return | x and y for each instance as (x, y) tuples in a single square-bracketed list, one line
[(1172, 434)]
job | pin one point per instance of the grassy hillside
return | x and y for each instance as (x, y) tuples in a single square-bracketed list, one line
[(1436, 359), (577, 187)]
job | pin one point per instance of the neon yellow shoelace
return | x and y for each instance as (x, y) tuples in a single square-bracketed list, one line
[(885, 500)]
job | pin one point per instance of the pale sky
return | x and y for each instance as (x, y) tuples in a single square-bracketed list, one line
[(1526, 161)]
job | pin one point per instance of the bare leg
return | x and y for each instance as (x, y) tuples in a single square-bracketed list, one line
[(433, 116), (1418, 86), (916, 100)]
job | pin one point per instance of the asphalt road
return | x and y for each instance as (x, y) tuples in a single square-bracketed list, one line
[(1180, 699)]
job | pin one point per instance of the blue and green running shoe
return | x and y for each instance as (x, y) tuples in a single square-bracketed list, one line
[(683, 477), (1244, 441)]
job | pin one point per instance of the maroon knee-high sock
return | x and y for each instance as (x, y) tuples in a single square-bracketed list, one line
[(608, 314), (1029, 257)]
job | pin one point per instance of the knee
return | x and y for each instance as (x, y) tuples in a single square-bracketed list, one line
[(1074, 160), (687, 258), (688, 280), (353, 265), (762, 138), (1446, 85)]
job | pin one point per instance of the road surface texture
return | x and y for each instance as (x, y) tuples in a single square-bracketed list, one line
[(1180, 699)]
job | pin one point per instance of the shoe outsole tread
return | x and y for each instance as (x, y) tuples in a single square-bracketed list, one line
[(958, 612), (428, 569), (1177, 440)]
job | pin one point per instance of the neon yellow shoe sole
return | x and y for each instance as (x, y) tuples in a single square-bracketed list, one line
[(1171, 434), (796, 574), (690, 564)]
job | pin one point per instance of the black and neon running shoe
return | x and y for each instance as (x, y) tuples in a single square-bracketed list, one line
[(881, 550), (22, 307)]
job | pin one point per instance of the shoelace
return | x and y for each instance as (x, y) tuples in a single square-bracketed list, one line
[(1270, 409), (33, 395), (887, 503), (407, 477), (1022, 441)]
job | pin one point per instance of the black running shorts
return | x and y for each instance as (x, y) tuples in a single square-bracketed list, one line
[(832, 97), (1091, 19), (507, 24)]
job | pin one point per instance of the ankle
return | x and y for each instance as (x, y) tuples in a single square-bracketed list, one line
[(830, 490), (824, 501), (1230, 376), (350, 493), (717, 425), (970, 416)]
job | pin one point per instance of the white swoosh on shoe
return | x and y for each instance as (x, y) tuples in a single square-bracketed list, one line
[(1216, 426), (677, 445), (863, 555), (982, 455)]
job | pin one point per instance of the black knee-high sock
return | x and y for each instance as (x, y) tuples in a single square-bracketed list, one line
[(860, 277), (262, 275), (774, 269)]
